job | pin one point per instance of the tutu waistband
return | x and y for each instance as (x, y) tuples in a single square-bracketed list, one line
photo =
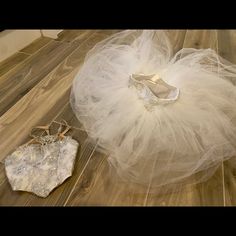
[(153, 90)]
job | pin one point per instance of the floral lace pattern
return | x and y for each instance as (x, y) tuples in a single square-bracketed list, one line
[(39, 168)]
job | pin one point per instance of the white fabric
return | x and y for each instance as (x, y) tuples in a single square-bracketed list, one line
[(170, 142), (40, 168), (153, 90)]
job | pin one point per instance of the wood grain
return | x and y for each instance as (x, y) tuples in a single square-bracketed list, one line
[(73, 36), (176, 38), (209, 192), (12, 62), (230, 183), (20, 56), (36, 45), (18, 82), (2, 174), (201, 39), (226, 49), (16, 123), (9, 197), (59, 196), (109, 32), (227, 45), (92, 182), (99, 186), (58, 83)]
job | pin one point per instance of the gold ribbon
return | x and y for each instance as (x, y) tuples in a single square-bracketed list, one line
[(59, 135)]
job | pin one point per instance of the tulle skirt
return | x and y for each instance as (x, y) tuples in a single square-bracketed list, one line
[(148, 140)]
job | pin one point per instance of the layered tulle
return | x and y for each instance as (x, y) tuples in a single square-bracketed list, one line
[(170, 142)]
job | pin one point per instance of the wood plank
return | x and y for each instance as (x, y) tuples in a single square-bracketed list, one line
[(176, 38), (99, 186), (2, 174), (31, 103), (12, 62), (18, 82), (7, 195), (226, 49), (12, 198), (72, 36), (36, 45), (230, 183), (28, 111), (59, 196), (54, 111), (109, 32), (20, 198), (18, 121), (92, 185), (227, 45), (209, 192), (93, 188), (201, 39)]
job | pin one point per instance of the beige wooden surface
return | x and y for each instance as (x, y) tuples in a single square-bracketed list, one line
[(34, 90)]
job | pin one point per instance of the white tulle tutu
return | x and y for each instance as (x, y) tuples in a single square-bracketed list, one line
[(161, 117)]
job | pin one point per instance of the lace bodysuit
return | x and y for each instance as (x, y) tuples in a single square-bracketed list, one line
[(42, 164)]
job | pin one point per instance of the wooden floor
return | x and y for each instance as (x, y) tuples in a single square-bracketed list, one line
[(34, 90)]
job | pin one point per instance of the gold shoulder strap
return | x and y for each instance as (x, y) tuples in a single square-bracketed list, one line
[(60, 133)]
